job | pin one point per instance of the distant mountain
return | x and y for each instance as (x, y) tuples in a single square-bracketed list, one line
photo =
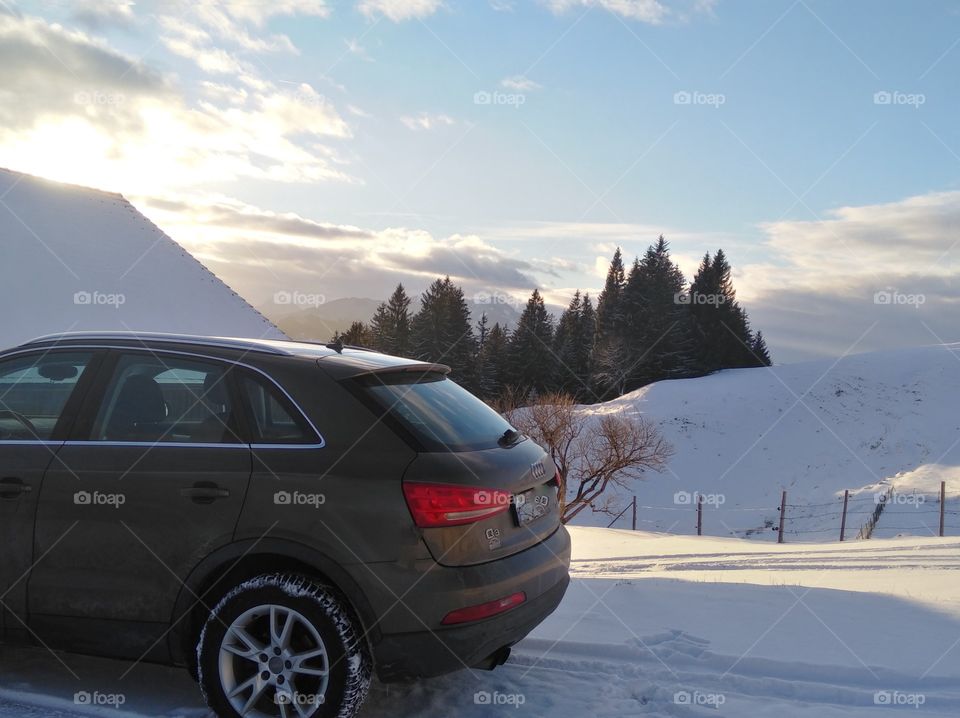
[(319, 323)]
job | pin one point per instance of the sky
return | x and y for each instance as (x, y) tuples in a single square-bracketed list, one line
[(333, 149)]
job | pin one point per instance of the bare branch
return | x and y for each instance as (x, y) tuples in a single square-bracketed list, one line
[(591, 453)]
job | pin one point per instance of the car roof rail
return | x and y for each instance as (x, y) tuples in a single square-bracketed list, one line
[(257, 345)]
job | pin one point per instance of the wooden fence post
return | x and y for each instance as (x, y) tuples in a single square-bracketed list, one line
[(843, 519), (699, 515), (943, 499), (783, 512)]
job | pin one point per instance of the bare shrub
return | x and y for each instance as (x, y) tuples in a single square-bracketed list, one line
[(592, 453)]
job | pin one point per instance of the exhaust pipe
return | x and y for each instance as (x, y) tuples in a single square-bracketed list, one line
[(495, 659)]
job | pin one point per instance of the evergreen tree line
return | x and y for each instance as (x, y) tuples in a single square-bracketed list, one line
[(647, 325)]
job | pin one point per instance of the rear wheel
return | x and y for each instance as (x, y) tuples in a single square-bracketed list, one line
[(283, 647)]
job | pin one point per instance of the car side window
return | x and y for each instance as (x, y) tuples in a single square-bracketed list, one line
[(34, 390), (273, 421), (167, 399)]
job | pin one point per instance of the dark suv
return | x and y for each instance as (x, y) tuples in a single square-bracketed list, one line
[(283, 519)]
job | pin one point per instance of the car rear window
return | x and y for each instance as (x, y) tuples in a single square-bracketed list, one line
[(441, 414)]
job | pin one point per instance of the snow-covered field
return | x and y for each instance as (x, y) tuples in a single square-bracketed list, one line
[(865, 422), (653, 625)]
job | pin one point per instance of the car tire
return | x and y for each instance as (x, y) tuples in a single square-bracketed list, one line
[(278, 639)]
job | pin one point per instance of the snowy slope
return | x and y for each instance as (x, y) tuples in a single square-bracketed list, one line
[(73, 258), (653, 625), (865, 423)]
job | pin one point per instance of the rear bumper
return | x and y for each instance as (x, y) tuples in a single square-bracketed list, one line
[(423, 648)]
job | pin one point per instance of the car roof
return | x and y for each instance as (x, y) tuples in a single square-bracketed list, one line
[(339, 360)]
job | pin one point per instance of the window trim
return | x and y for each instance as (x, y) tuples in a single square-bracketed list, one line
[(285, 402), (73, 407), (100, 349)]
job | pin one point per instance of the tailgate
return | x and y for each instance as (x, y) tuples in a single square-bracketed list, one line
[(532, 514)]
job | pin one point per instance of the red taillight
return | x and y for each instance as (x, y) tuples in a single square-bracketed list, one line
[(433, 505), (484, 610)]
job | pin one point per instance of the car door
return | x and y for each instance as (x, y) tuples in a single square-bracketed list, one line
[(151, 482), (39, 393)]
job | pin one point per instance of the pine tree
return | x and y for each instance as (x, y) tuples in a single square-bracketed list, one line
[(390, 325), (573, 346), (609, 309), (531, 364), (760, 352), (441, 331), (358, 335), (721, 327), (381, 329), (481, 365), (658, 323), (610, 351), (493, 356)]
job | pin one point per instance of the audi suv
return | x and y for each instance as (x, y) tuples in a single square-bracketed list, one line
[(285, 520)]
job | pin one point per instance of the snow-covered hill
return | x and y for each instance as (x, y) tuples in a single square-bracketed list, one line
[(865, 422), (73, 258)]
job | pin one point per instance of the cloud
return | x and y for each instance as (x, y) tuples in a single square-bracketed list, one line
[(467, 259), (652, 12), (879, 242), (519, 83), (99, 15), (259, 252), (648, 11), (358, 112), (60, 72), (79, 111), (891, 264), (399, 10), (426, 121), (227, 212), (355, 48), (191, 30), (259, 12)]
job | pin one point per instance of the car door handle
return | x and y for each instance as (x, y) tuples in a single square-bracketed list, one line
[(204, 493), (12, 489)]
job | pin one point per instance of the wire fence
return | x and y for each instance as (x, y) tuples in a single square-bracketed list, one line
[(846, 517)]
